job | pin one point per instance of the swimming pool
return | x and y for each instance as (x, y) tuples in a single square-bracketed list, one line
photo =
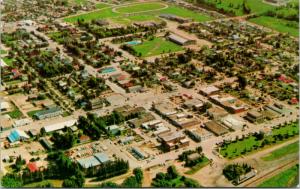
[(108, 70), (133, 42)]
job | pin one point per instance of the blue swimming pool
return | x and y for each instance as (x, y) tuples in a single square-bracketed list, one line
[(108, 70), (133, 42)]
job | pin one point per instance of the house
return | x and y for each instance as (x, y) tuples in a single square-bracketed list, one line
[(48, 113), (32, 167), (180, 40), (254, 116), (17, 135), (59, 126), (210, 90), (216, 128)]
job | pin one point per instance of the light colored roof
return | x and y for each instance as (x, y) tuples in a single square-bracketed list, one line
[(4, 105), (210, 89), (178, 38), (88, 162), (102, 157), (60, 125), (21, 122), (233, 122)]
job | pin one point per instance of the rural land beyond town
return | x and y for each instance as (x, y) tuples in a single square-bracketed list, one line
[(149, 93)]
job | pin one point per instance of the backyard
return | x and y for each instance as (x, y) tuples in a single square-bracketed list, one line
[(287, 178)]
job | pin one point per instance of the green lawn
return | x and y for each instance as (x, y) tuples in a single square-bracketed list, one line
[(140, 7), (185, 13), (156, 46), (277, 24), (281, 152), (197, 167), (3, 51), (80, 2), (287, 178), (55, 183), (31, 113), (15, 114), (8, 61), (235, 6), (102, 5), (107, 13), (247, 145)]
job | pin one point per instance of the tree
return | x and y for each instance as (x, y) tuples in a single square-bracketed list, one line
[(138, 173), (242, 81), (172, 172), (108, 184), (9, 181)]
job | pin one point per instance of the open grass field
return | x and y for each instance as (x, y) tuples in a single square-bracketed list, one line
[(280, 25), (152, 13), (101, 5), (55, 183), (281, 152), (140, 7), (15, 114), (156, 46), (250, 144), (287, 178), (236, 6), (197, 167)]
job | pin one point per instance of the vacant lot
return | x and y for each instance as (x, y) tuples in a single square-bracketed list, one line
[(277, 24), (281, 152), (287, 178), (155, 47)]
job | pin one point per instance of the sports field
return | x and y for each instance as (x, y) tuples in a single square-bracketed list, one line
[(143, 12), (287, 178), (155, 47)]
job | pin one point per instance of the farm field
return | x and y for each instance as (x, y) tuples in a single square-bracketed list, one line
[(155, 47), (287, 178), (236, 6), (151, 13), (277, 24), (251, 143), (279, 153)]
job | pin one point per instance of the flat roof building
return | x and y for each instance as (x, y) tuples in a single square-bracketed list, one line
[(216, 128), (180, 40), (210, 90), (59, 126)]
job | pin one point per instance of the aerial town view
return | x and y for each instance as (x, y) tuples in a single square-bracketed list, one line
[(149, 93)]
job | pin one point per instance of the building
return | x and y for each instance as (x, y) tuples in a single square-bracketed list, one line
[(33, 132), (173, 17), (138, 153), (165, 108), (247, 176), (216, 113), (230, 103), (21, 122), (97, 103), (48, 113), (113, 129), (198, 134), (127, 111), (59, 126), (32, 167), (173, 140), (254, 116), (180, 40), (194, 104), (4, 106), (216, 128), (6, 122), (89, 162), (183, 120), (101, 157), (17, 135), (127, 140), (210, 90), (137, 122), (233, 122)]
